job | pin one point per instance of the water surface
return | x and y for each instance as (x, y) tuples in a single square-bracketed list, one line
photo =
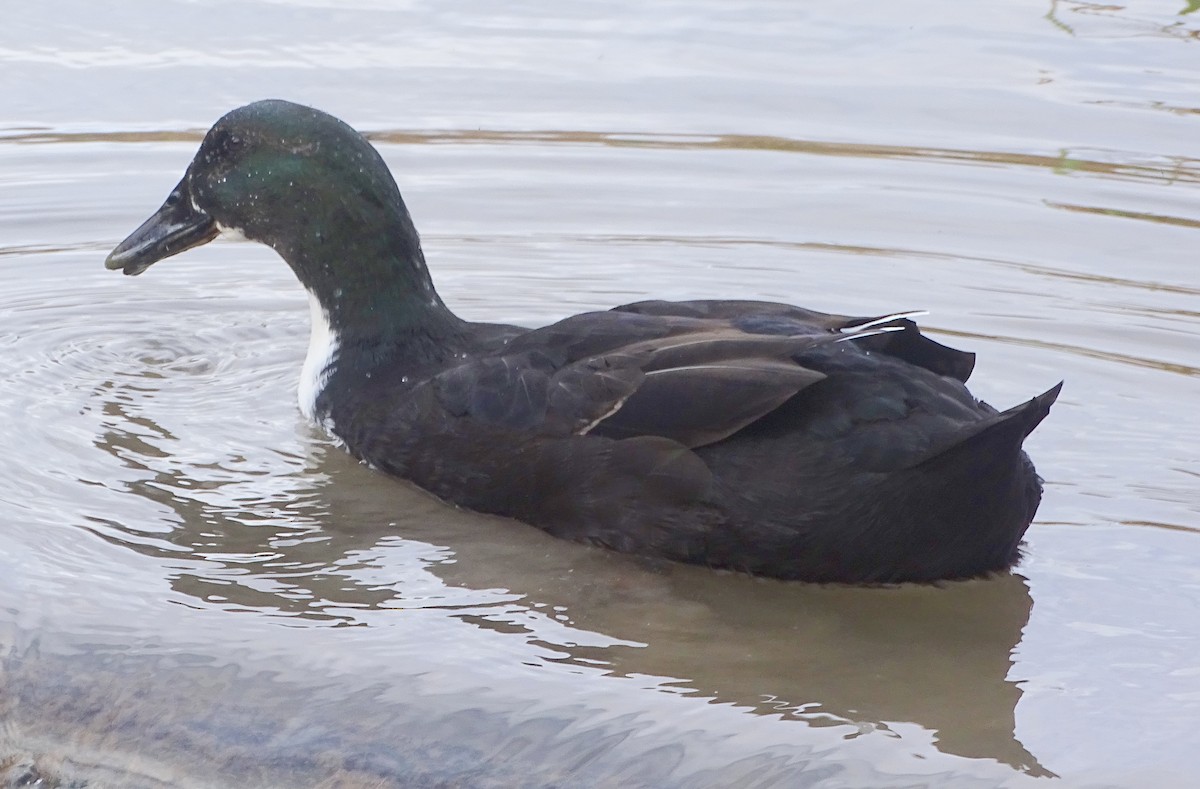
[(198, 589)]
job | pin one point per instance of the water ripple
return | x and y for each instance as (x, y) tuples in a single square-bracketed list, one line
[(1118, 165)]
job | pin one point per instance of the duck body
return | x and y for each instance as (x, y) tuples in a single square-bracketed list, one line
[(746, 435)]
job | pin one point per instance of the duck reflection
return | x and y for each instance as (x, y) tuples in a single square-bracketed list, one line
[(328, 541)]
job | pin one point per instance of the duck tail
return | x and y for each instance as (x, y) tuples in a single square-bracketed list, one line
[(1028, 415), (986, 495), (1036, 409), (997, 439)]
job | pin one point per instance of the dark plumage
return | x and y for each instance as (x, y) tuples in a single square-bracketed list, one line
[(749, 435)]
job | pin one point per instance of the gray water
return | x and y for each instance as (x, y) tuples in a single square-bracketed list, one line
[(198, 589)]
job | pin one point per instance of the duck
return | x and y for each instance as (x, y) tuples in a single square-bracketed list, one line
[(750, 436)]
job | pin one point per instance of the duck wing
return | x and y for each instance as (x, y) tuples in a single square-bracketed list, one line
[(693, 381), (536, 392), (698, 388), (766, 317)]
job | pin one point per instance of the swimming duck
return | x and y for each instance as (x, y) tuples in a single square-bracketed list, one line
[(747, 435)]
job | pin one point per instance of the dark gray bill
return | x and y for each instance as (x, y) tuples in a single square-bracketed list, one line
[(177, 226)]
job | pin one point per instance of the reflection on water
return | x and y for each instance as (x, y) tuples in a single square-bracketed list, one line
[(1110, 164), (826, 656), (1145, 217), (1110, 20)]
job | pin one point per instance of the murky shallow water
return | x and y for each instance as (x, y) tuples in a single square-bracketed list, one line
[(196, 589)]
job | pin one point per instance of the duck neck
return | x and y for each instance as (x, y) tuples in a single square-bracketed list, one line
[(372, 304)]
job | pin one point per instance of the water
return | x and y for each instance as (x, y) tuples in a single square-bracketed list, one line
[(197, 589)]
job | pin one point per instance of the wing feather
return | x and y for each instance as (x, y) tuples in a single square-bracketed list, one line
[(694, 381)]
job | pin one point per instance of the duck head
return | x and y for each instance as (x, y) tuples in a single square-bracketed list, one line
[(296, 179)]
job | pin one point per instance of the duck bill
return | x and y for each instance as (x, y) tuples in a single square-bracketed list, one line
[(175, 227)]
